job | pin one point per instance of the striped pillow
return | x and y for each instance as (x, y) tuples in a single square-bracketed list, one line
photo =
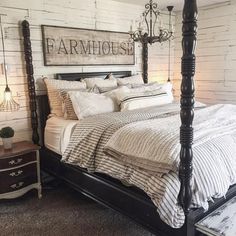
[(136, 100), (67, 106), (53, 90)]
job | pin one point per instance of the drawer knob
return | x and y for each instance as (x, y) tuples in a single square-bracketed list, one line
[(14, 174), (15, 162), (18, 185)]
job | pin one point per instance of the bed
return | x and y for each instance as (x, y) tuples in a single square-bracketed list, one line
[(130, 201)]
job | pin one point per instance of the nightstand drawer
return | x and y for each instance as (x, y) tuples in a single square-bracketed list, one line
[(18, 183), (11, 162), (9, 175)]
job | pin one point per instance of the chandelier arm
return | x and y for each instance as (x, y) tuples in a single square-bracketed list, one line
[(145, 18), (156, 14), (148, 5), (156, 39)]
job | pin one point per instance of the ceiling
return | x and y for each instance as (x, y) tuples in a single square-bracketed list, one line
[(178, 4)]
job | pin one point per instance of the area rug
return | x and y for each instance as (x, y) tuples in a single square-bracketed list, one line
[(62, 212)]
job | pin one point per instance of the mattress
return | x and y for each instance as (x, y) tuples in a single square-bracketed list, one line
[(57, 133)]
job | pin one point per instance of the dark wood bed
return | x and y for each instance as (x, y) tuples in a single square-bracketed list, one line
[(108, 191)]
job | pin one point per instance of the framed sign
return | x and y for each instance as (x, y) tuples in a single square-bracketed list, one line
[(63, 46)]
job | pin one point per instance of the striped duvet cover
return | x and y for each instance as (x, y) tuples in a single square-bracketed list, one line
[(86, 149)]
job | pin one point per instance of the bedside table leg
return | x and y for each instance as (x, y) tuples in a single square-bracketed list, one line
[(39, 179), (40, 192)]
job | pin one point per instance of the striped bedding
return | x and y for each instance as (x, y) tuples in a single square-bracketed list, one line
[(91, 135), (159, 147)]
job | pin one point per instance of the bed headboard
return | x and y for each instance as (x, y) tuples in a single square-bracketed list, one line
[(79, 76), (42, 100)]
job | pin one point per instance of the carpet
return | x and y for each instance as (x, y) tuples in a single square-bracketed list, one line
[(62, 212)]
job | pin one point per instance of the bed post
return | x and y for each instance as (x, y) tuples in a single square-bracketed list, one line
[(145, 61), (30, 79), (189, 30)]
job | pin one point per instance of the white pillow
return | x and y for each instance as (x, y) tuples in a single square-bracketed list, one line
[(91, 82), (119, 93), (134, 79), (116, 93), (135, 99), (53, 90), (146, 87), (87, 104)]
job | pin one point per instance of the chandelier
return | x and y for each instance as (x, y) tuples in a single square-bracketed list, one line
[(150, 29)]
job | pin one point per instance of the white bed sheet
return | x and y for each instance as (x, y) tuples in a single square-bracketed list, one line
[(57, 133)]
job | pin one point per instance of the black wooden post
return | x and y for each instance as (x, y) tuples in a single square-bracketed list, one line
[(145, 61), (189, 30), (30, 78)]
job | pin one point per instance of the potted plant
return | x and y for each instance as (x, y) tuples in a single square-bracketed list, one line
[(6, 133)]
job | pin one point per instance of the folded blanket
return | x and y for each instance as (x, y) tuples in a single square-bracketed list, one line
[(154, 144)]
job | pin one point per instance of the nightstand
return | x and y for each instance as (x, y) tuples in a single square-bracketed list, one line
[(19, 170)]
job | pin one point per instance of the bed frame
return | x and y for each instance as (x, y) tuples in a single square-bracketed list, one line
[(108, 191)]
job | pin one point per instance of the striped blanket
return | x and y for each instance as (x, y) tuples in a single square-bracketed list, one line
[(154, 144), (91, 135)]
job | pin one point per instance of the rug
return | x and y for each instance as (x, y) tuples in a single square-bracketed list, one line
[(62, 212)]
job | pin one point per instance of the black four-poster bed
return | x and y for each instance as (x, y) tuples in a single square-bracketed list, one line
[(130, 201)]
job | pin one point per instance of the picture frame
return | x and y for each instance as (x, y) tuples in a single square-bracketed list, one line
[(68, 46)]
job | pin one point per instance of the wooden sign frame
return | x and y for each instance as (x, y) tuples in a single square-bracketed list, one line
[(67, 46)]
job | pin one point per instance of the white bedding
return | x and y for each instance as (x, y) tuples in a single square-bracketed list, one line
[(57, 133), (158, 139), (214, 162)]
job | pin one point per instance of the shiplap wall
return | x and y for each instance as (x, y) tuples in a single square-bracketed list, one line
[(215, 78), (90, 14)]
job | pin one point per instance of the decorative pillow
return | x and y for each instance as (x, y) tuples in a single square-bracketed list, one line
[(95, 89), (87, 104), (113, 94), (105, 89), (134, 79), (140, 99), (53, 89), (101, 82), (110, 76), (145, 87), (67, 106)]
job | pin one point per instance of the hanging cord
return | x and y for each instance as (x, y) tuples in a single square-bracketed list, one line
[(3, 52), (169, 64), (169, 9)]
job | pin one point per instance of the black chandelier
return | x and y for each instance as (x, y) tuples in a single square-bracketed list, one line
[(150, 30), (151, 17)]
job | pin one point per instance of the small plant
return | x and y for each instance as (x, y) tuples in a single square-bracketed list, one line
[(7, 132)]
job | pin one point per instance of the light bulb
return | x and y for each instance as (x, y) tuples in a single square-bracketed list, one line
[(8, 95)]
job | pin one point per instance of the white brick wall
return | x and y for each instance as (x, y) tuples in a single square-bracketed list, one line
[(91, 14), (215, 78)]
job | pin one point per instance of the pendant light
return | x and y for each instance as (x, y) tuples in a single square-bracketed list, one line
[(8, 103)]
